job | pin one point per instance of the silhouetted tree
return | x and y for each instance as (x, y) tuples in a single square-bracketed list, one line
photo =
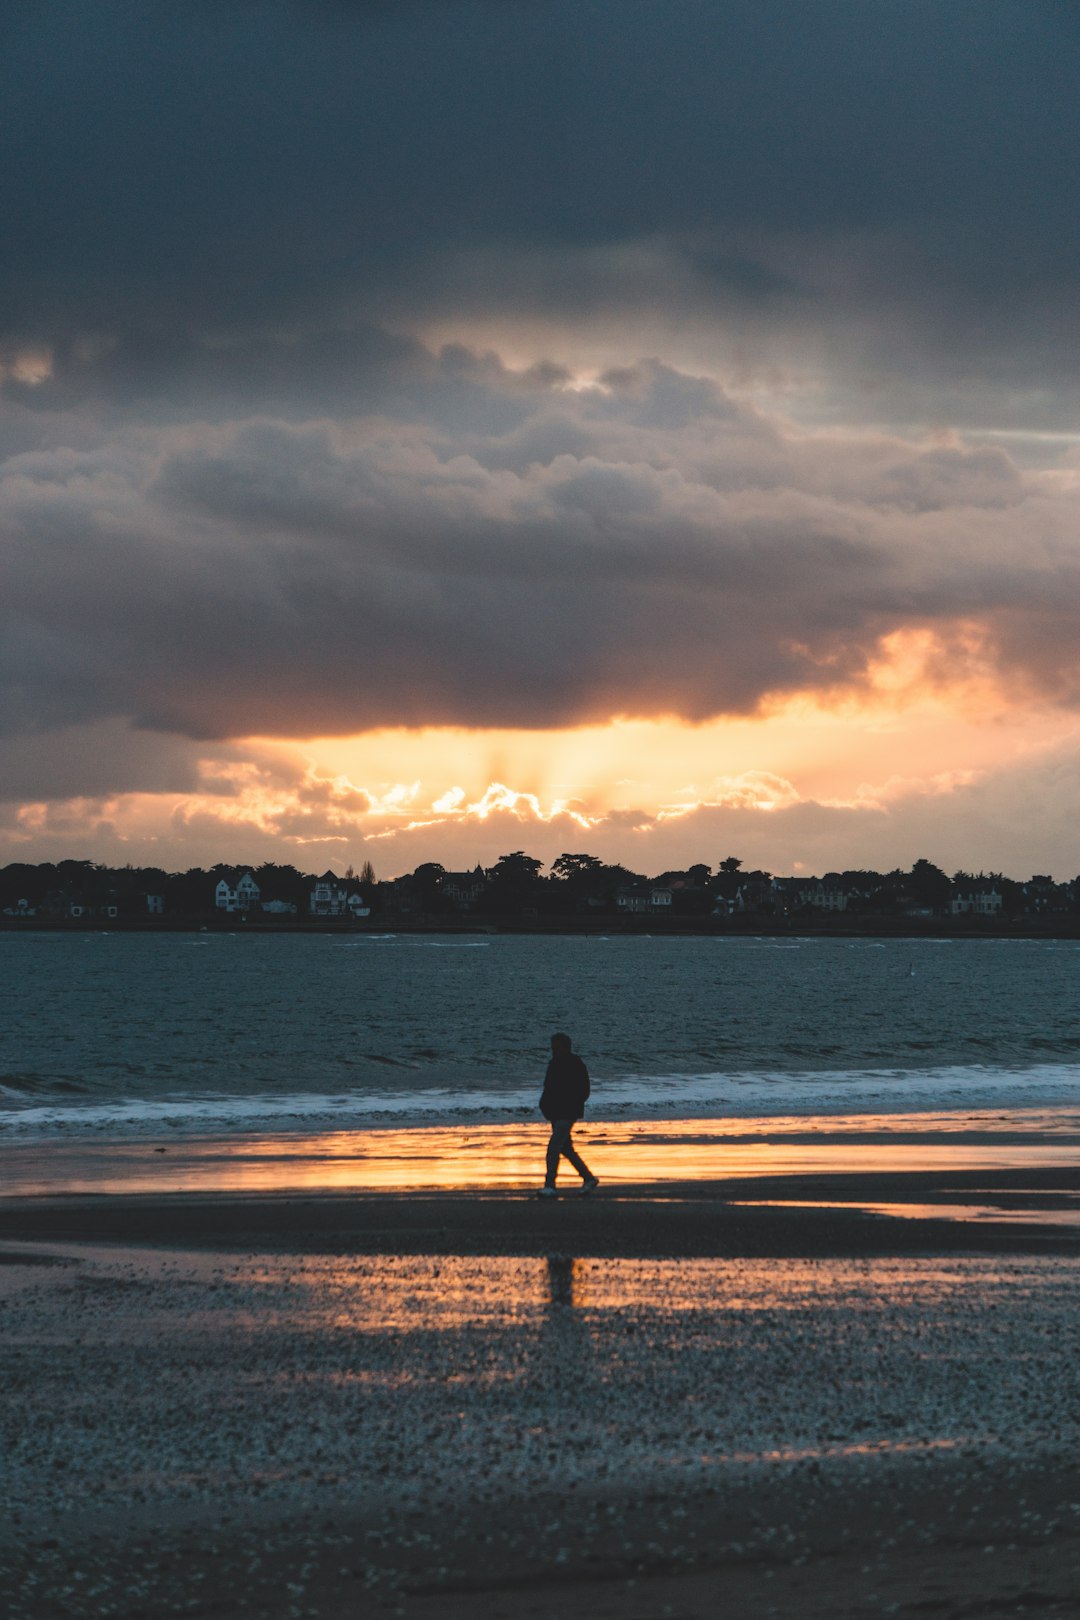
[(426, 881), (929, 884), (513, 883), (575, 869)]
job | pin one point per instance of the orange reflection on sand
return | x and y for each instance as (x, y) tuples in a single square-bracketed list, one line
[(407, 1294), (497, 1157), (1026, 1215)]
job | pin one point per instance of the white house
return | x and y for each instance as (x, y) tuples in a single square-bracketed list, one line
[(976, 902), (790, 893), (330, 898), (243, 897), (83, 908), (826, 897), (247, 892), (632, 897)]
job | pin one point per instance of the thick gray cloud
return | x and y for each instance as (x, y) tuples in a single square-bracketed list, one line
[(108, 757), (647, 548), (240, 493), (882, 190)]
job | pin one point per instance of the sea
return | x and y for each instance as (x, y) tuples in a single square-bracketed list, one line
[(129, 1034)]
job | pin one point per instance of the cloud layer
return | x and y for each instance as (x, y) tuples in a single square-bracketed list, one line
[(512, 552), (881, 194)]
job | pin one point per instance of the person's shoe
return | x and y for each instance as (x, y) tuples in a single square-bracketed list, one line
[(547, 1192), (589, 1186)]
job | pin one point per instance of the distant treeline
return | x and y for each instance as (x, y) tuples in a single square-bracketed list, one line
[(518, 887)]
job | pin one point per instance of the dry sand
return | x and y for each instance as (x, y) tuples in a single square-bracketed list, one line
[(488, 1406)]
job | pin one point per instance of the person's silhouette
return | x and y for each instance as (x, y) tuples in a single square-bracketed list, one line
[(566, 1089)]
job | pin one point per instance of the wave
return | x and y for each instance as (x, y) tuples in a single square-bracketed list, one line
[(636, 1096)]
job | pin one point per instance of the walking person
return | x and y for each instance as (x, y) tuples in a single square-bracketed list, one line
[(566, 1088)]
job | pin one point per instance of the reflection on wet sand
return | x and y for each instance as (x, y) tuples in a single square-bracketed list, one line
[(528, 1404), (561, 1269), (343, 1299), (1046, 1212), (490, 1157)]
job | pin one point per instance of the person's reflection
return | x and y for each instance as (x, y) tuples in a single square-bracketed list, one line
[(561, 1269), (564, 1364)]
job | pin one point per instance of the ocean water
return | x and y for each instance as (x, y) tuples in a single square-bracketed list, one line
[(214, 1032)]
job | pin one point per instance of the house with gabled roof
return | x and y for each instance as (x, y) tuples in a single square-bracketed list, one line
[(241, 895), (464, 890), (979, 899), (337, 897)]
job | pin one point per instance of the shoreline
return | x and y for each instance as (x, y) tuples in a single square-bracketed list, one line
[(755, 925), (705, 1152)]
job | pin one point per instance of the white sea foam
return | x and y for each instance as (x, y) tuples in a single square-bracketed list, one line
[(637, 1096)]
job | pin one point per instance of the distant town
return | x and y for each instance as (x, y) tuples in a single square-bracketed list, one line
[(577, 892)]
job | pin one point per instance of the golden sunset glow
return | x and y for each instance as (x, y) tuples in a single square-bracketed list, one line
[(917, 730), (492, 1157)]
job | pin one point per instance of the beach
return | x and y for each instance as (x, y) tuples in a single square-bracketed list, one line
[(761, 1395), (285, 1333)]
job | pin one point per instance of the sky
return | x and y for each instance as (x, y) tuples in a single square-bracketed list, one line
[(436, 428)]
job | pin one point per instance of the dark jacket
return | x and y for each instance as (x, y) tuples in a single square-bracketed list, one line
[(566, 1086)]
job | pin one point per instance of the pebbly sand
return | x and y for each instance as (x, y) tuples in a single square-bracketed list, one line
[(843, 1395)]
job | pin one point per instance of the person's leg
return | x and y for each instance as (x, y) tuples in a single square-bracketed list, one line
[(569, 1152), (560, 1135)]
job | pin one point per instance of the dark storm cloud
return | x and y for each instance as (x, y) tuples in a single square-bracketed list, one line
[(238, 493), (99, 760), (896, 178), (652, 548)]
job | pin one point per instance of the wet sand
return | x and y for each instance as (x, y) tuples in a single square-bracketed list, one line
[(687, 1401), (1032, 1210)]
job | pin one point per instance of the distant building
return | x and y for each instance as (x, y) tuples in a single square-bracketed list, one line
[(632, 897), (643, 897), (81, 908), (241, 896), (155, 905), (464, 890), (327, 898), (335, 897), (755, 895), (1043, 894), (977, 902), (789, 893), (824, 894), (827, 897)]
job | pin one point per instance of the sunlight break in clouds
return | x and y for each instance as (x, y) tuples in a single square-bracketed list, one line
[(526, 807), (853, 784)]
